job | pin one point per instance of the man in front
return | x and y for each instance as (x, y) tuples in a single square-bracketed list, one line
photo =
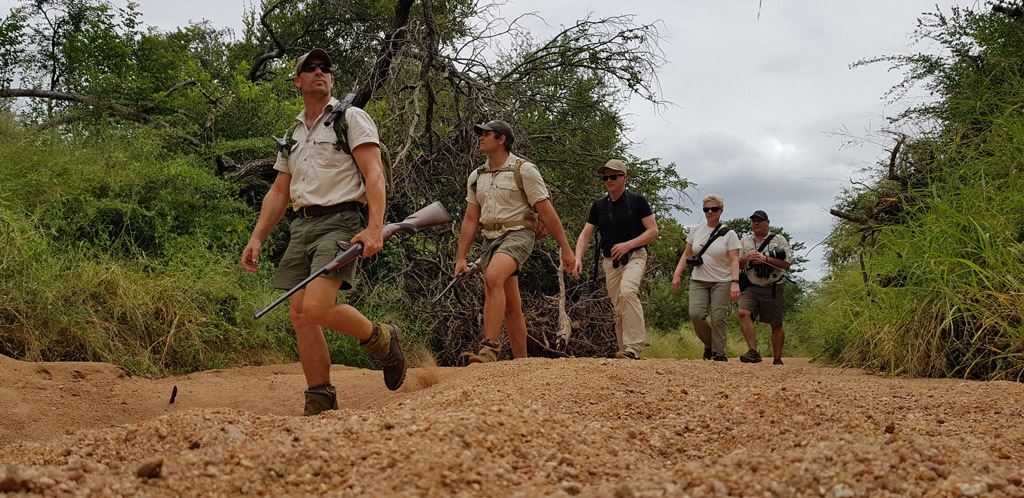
[(765, 257), (626, 225), (338, 200), (501, 197)]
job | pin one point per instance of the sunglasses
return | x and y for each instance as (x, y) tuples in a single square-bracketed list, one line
[(309, 68), (605, 178), (712, 209)]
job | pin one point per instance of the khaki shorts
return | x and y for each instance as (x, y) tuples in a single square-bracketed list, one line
[(314, 243), (759, 301), (515, 243)]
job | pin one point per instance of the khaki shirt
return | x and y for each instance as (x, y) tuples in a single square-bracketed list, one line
[(750, 244), (499, 197), (322, 176)]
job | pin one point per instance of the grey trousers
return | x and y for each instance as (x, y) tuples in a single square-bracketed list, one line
[(710, 298)]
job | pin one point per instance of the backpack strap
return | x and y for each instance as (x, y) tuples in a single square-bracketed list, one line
[(337, 121), (516, 170), (285, 146), (766, 241), (719, 230)]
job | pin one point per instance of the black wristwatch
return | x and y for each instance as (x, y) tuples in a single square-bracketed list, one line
[(736, 280)]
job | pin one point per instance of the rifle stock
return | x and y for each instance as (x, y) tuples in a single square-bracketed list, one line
[(433, 215)]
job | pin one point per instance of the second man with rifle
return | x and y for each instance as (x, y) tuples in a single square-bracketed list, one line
[(338, 199), (502, 196)]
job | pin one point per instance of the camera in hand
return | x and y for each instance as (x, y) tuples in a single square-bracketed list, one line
[(695, 261), (776, 253)]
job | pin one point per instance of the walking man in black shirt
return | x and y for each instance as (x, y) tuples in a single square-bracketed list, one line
[(626, 225)]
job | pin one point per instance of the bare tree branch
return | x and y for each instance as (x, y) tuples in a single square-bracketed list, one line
[(118, 109)]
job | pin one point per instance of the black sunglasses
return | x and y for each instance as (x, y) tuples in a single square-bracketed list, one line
[(610, 177), (309, 68), (712, 209)]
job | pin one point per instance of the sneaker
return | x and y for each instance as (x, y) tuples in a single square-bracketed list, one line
[(320, 399), (751, 356), (630, 355), (707, 353), (719, 357), (394, 363), (777, 361)]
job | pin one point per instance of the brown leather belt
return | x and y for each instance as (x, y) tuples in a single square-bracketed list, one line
[(314, 211)]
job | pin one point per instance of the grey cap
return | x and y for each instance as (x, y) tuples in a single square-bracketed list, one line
[(614, 165), (759, 215), (499, 127), (316, 53)]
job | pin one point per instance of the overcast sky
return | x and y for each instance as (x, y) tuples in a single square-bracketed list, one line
[(756, 100)]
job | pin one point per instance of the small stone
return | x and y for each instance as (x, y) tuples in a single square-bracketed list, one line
[(11, 480), (973, 489), (234, 433), (150, 469), (842, 491), (46, 482), (890, 428), (928, 475), (572, 488), (1014, 479), (623, 491)]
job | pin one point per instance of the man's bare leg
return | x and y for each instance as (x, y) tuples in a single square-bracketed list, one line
[(747, 327), (315, 306), (498, 272), (778, 338), (515, 322)]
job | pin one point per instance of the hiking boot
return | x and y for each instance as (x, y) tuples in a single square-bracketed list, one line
[(777, 361), (490, 351), (719, 357), (751, 356), (629, 355), (707, 353), (385, 344), (319, 399)]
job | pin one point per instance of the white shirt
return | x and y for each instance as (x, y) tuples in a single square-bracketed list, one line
[(716, 267)]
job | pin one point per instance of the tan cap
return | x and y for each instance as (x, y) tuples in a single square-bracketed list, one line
[(316, 53), (614, 165)]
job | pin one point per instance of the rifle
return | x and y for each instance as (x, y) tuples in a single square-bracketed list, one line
[(430, 216), (471, 269)]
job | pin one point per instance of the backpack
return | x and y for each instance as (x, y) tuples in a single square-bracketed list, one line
[(340, 125), (531, 220)]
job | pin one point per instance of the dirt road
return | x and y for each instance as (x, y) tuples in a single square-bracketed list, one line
[(536, 427)]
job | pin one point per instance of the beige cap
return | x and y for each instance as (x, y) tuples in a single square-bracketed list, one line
[(316, 53), (614, 165)]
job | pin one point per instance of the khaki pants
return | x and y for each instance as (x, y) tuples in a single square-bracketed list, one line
[(624, 289), (710, 298)]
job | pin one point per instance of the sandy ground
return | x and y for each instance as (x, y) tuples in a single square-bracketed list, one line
[(535, 427)]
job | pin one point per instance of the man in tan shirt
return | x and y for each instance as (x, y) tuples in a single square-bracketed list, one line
[(499, 205), (338, 200)]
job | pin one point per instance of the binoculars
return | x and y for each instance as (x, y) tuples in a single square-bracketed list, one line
[(622, 261), (765, 271)]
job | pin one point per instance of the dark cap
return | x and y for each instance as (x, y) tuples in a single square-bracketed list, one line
[(759, 215), (614, 165), (316, 53), (499, 127)]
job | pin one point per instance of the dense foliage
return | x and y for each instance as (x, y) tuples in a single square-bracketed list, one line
[(926, 268)]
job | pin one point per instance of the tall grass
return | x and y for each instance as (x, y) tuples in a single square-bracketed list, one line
[(960, 308), (113, 249)]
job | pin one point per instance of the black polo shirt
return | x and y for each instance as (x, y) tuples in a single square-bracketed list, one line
[(620, 220)]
